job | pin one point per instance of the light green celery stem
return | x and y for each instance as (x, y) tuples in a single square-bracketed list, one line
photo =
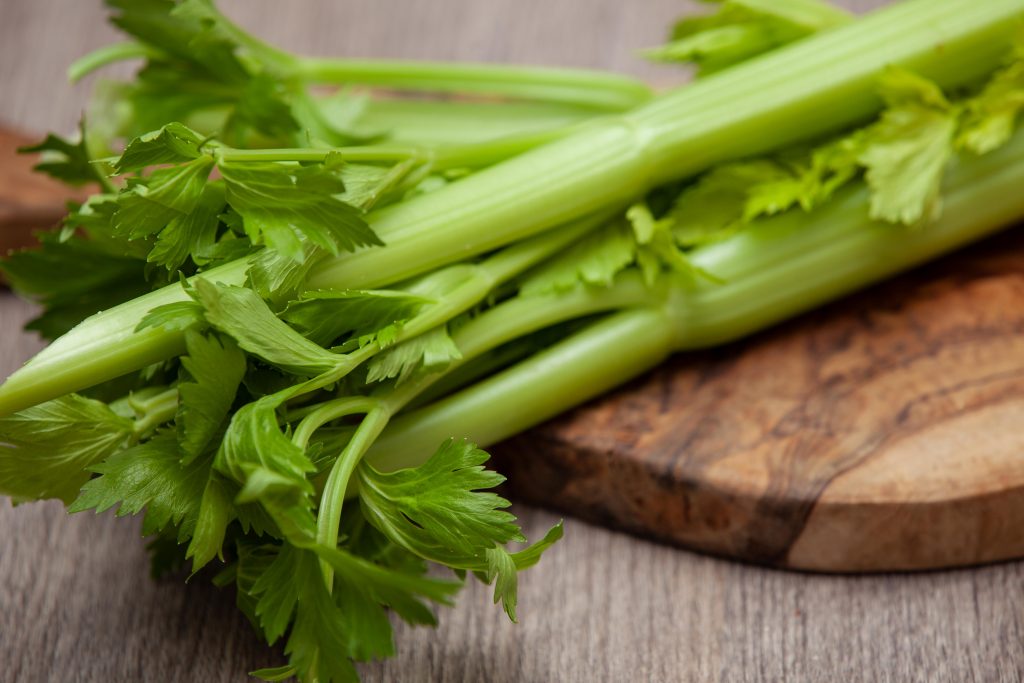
[(333, 497), (525, 315), (439, 157), (108, 54), (477, 280), (818, 84), (575, 86), (579, 87), (104, 346), (459, 122), (795, 262), (822, 83), (776, 269), (331, 410), (813, 86), (328, 518), (600, 166), (602, 356), (154, 411)]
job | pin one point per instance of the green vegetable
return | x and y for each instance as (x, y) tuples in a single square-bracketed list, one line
[(346, 312), (742, 29)]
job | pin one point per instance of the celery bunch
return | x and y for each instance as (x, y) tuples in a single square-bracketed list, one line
[(352, 295)]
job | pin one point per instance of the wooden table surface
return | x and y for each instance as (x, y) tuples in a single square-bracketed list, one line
[(76, 600)]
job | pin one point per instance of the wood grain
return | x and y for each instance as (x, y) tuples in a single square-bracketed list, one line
[(76, 603)]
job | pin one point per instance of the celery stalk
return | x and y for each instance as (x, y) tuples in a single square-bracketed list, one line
[(804, 90), (774, 270)]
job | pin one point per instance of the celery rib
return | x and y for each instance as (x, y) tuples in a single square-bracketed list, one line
[(803, 90)]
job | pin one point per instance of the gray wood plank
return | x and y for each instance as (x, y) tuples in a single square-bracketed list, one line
[(76, 601)]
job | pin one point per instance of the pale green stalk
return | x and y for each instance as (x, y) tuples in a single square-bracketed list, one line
[(812, 87), (777, 268)]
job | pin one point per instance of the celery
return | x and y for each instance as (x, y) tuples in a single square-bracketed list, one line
[(288, 405)]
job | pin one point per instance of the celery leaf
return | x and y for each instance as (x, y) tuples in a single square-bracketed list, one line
[(326, 316), (45, 451), (441, 511), (65, 160), (281, 204), (214, 515), (212, 371), (241, 314), (171, 144), (742, 29), (149, 476), (72, 279), (429, 352), (147, 205), (594, 260), (190, 234), (270, 469), (906, 152), (991, 116)]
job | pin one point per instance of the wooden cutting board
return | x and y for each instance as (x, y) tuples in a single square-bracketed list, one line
[(28, 201), (883, 432)]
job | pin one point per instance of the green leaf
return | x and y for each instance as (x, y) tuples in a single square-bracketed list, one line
[(365, 184), (990, 117), (215, 513), (442, 512), (46, 450), (318, 646), (326, 316), (443, 501), (147, 205), (177, 316), (363, 588), (171, 144), (190, 234), (277, 277), (717, 204), (72, 279), (274, 674), (282, 204), (656, 248), (149, 476), (243, 315), (66, 161), (743, 29), (595, 260), (530, 556), (906, 153), (501, 569), (94, 215), (278, 591), (214, 368), (269, 468), (429, 352), (262, 105), (329, 629), (183, 35), (202, 68)]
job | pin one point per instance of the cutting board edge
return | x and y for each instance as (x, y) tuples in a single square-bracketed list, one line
[(969, 530)]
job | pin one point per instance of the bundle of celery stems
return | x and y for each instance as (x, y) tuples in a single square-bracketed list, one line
[(322, 293)]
